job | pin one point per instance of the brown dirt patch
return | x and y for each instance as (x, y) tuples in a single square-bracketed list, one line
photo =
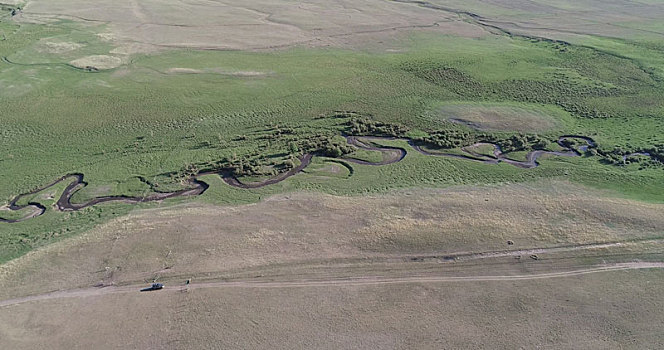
[(59, 47), (247, 74), (97, 61), (499, 118)]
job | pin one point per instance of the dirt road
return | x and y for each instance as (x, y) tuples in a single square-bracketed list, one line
[(330, 282)]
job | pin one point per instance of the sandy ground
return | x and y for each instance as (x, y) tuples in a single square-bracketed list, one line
[(412, 269)]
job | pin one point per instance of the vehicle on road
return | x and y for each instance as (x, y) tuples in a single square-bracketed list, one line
[(154, 286)]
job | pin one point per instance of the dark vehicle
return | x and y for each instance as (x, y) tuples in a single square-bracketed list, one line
[(154, 286)]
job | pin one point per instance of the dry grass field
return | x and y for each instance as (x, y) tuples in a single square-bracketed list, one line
[(564, 19), (266, 24), (426, 269), (613, 310)]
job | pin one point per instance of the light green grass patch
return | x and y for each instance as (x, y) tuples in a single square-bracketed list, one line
[(482, 149), (366, 155), (322, 169), (518, 156)]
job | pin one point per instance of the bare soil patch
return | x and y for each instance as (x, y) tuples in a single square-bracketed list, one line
[(220, 71), (499, 118), (184, 71), (59, 47), (97, 62)]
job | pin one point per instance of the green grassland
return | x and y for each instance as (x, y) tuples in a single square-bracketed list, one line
[(145, 119), (369, 156)]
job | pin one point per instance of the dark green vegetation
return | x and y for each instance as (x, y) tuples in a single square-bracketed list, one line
[(141, 122)]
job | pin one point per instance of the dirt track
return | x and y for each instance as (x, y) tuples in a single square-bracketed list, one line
[(367, 280), (528, 252), (390, 155), (298, 280)]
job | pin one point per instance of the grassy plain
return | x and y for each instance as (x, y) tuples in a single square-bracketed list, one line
[(138, 95), (162, 110)]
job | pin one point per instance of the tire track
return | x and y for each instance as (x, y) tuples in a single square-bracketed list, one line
[(332, 282)]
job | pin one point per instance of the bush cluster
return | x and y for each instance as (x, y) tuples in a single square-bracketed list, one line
[(522, 142), (326, 145), (365, 126), (621, 156), (447, 139)]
